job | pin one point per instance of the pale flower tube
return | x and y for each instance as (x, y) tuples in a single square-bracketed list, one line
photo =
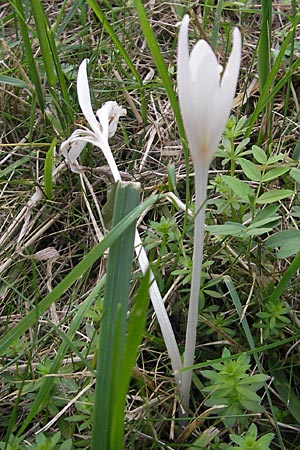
[(205, 99)]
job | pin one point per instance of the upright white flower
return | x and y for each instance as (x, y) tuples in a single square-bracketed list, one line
[(205, 95), (103, 125), (205, 99)]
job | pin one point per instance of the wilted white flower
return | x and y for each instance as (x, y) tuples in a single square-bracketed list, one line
[(103, 125)]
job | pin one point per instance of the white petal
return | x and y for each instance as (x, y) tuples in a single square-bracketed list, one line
[(206, 81), (75, 150), (185, 88), (108, 116), (229, 82), (72, 147), (116, 112), (84, 98)]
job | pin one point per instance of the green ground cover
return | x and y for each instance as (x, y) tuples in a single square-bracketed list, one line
[(61, 239)]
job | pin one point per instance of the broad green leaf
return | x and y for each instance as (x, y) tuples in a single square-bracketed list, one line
[(275, 173), (268, 213), (250, 170), (240, 188), (260, 231), (274, 196), (136, 328)]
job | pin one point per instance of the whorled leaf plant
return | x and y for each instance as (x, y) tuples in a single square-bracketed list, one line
[(205, 98)]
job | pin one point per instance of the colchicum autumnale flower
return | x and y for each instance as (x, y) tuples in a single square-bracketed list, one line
[(103, 126), (205, 99)]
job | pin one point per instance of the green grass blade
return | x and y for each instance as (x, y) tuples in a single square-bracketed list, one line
[(286, 278), (45, 388), (41, 28), (168, 85), (48, 170), (263, 59), (136, 327), (18, 5), (161, 67), (113, 324), (265, 96), (16, 332), (52, 65), (217, 19), (102, 18)]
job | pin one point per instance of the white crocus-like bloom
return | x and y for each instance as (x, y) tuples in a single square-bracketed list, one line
[(205, 95), (103, 126), (205, 99)]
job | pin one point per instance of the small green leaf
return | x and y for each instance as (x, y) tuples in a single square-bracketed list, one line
[(275, 173), (287, 240), (295, 174), (240, 188), (228, 229), (250, 170), (274, 196), (259, 155)]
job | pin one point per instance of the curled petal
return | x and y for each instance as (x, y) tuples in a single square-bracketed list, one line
[(72, 147), (108, 116)]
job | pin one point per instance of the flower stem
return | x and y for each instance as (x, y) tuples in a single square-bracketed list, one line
[(201, 175)]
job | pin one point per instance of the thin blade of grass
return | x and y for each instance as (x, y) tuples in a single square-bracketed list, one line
[(266, 96), (168, 85), (52, 65), (286, 278), (263, 52), (217, 19), (48, 170), (39, 19), (113, 324), (162, 69), (34, 75), (61, 352), (101, 16)]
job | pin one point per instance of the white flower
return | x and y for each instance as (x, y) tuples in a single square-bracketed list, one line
[(205, 97), (103, 126)]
